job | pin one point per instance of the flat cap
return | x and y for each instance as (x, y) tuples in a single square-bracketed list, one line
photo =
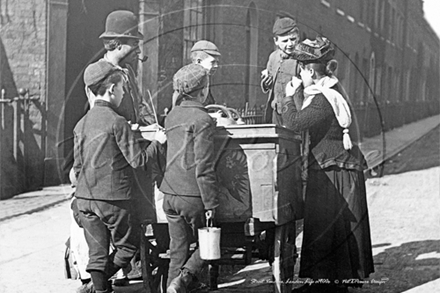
[(97, 71), (284, 26), (206, 46), (190, 78)]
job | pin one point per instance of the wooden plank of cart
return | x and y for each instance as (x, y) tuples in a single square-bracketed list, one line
[(258, 167)]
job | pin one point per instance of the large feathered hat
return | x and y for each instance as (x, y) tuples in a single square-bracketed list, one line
[(319, 50)]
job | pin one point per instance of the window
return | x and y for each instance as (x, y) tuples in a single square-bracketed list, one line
[(346, 78), (371, 76), (407, 85), (382, 17), (357, 78), (362, 12), (365, 89), (392, 35), (387, 21), (398, 87), (347, 64), (389, 82), (378, 83), (376, 14), (251, 73), (193, 25)]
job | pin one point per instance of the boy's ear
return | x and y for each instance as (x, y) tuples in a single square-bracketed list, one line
[(111, 89)]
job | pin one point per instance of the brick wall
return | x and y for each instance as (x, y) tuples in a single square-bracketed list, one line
[(23, 34), (371, 49), (23, 41)]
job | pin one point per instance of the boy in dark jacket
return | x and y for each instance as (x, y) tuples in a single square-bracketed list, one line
[(280, 68), (105, 151), (190, 183)]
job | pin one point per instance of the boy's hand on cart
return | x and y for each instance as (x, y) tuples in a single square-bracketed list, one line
[(153, 126), (160, 136)]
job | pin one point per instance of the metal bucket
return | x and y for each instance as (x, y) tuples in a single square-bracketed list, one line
[(209, 243)]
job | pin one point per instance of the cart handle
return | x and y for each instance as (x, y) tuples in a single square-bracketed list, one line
[(209, 218)]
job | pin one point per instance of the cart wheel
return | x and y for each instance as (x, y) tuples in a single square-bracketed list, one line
[(376, 171), (284, 257)]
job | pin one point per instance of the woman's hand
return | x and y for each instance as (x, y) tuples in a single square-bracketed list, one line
[(160, 136), (293, 86)]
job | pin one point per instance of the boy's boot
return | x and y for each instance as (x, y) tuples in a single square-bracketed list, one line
[(86, 288), (180, 283)]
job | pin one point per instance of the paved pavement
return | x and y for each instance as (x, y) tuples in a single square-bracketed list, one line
[(379, 148), (34, 201), (376, 150)]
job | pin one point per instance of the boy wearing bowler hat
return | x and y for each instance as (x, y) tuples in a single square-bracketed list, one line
[(121, 42), (206, 54), (105, 153), (280, 67), (190, 183)]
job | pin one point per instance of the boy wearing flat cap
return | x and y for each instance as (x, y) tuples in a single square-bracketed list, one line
[(280, 68), (190, 185), (121, 42), (207, 55), (105, 153)]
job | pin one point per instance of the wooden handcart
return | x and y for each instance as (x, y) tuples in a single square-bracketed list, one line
[(258, 168)]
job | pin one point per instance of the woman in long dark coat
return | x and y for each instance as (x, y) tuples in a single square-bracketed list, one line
[(336, 241)]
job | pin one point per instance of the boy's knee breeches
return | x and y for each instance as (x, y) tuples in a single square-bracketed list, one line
[(105, 220)]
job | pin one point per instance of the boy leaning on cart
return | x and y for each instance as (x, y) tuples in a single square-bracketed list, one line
[(190, 185), (105, 151)]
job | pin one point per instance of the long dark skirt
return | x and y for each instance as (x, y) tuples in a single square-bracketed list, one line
[(336, 241)]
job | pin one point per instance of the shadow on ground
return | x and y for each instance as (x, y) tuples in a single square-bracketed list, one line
[(421, 155), (397, 269), (404, 267)]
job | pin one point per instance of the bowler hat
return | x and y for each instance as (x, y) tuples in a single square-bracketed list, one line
[(190, 78), (97, 71), (319, 50), (121, 24), (206, 46), (283, 26)]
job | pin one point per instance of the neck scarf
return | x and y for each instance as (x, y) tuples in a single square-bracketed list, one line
[(339, 104)]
